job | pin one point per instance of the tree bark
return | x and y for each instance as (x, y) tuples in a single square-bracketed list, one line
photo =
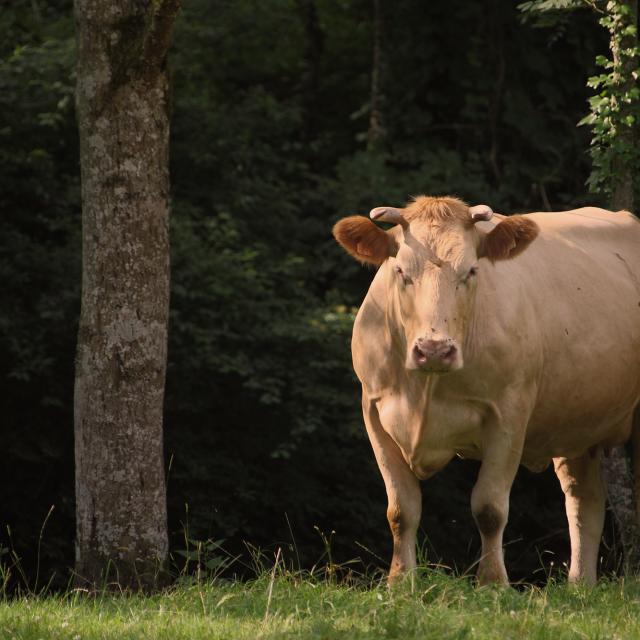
[(123, 118), (617, 468), (620, 487), (623, 70)]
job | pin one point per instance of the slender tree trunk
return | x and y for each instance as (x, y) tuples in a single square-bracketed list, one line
[(617, 467), (376, 124), (310, 76), (624, 68), (122, 107), (499, 63)]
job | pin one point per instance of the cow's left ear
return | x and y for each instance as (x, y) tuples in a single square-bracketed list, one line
[(509, 238)]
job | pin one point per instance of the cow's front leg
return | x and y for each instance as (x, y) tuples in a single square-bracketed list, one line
[(403, 494), (490, 500), (584, 495)]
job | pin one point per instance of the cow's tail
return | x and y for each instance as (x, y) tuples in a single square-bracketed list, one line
[(635, 460)]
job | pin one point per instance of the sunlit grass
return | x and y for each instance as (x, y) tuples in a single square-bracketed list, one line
[(293, 606)]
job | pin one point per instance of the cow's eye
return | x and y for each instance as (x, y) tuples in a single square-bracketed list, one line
[(402, 275), (471, 273)]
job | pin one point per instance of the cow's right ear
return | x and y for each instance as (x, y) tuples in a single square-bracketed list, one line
[(365, 241)]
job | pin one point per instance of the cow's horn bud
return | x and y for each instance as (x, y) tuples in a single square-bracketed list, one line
[(389, 214), (480, 212)]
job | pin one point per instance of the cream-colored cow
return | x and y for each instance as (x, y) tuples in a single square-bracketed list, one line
[(512, 340)]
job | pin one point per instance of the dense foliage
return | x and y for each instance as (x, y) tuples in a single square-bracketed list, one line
[(615, 107), (270, 127)]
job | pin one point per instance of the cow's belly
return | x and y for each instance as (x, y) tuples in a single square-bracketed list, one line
[(568, 424), (586, 397), (429, 436)]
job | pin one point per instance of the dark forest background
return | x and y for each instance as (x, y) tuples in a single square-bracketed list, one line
[(272, 142)]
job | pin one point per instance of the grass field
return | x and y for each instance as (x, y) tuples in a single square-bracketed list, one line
[(287, 606)]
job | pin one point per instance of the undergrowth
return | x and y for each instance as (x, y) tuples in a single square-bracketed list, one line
[(329, 601)]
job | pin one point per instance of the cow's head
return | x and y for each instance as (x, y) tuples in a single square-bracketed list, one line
[(432, 258)]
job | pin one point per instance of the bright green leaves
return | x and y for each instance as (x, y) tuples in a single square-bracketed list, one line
[(615, 109)]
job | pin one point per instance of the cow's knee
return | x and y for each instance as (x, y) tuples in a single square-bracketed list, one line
[(402, 521), (574, 488), (490, 518)]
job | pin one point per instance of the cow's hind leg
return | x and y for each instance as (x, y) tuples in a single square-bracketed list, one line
[(584, 495), (403, 494)]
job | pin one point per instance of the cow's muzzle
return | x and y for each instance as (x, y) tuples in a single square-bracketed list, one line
[(435, 355)]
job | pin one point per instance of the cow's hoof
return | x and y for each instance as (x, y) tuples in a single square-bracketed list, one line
[(399, 579), (486, 579), (582, 581)]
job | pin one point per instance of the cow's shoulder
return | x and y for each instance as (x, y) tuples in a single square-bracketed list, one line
[(371, 344)]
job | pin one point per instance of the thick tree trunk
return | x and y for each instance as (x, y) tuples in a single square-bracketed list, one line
[(122, 340), (617, 467)]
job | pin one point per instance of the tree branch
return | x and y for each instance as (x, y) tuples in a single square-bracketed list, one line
[(594, 6)]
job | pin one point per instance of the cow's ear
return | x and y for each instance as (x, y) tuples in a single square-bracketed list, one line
[(507, 239), (365, 241)]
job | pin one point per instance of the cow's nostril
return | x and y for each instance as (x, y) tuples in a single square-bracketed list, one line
[(421, 356), (449, 353)]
